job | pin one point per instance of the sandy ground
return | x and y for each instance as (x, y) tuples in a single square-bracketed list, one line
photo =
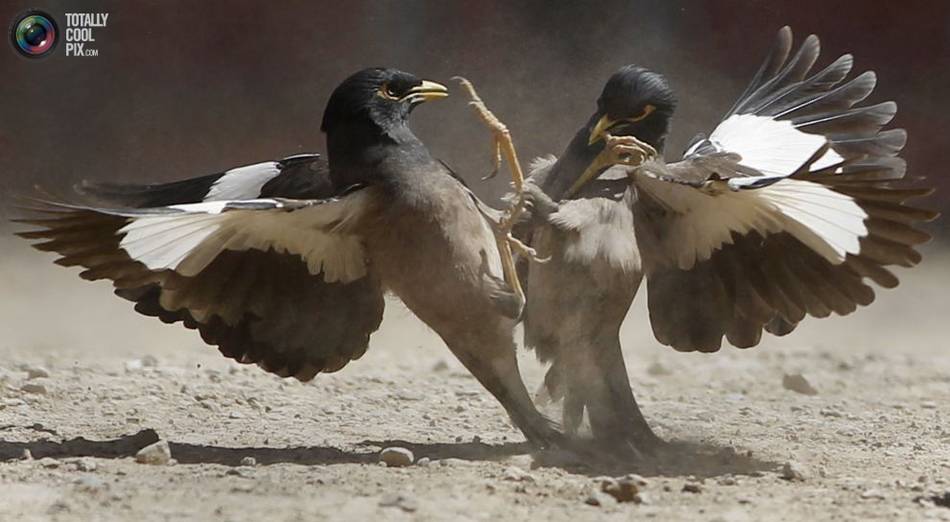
[(872, 444)]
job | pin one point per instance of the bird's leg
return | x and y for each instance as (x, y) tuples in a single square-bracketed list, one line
[(618, 150), (495, 366), (496, 163), (503, 146)]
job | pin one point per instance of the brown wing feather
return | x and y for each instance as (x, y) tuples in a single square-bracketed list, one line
[(767, 277), (772, 282), (256, 307)]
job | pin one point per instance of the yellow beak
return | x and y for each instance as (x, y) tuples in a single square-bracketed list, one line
[(589, 173), (427, 91), (599, 131)]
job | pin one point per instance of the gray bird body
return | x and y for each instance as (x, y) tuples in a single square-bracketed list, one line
[(578, 300)]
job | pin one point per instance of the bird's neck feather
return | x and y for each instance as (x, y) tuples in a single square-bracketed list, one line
[(357, 153)]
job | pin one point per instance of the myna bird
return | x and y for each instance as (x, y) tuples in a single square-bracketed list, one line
[(790, 207), (284, 264), (579, 298)]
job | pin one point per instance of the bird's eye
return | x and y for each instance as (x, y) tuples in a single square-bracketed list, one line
[(386, 91)]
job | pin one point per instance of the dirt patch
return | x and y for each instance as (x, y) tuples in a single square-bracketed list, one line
[(85, 384)]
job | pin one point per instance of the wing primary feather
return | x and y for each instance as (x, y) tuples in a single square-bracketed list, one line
[(772, 64)]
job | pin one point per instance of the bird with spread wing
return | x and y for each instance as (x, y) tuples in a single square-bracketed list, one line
[(788, 208), (284, 264)]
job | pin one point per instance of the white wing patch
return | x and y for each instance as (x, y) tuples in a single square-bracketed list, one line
[(774, 147), (187, 242), (826, 221), (162, 242), (829, 222), (243, 182)]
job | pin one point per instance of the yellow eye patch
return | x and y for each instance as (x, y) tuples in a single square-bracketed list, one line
[(647, 110), (386, 92)]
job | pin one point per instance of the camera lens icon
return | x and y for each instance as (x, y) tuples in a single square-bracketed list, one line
[(34, 34)]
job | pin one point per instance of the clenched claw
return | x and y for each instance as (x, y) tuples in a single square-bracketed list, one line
[(627, 150), (618, 150), (503, 146), (523, 249)]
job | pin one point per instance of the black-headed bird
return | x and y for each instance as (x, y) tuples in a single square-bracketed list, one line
[(788, 208), (285, 264)]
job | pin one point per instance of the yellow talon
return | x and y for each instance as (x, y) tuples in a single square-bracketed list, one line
[(503, 146)]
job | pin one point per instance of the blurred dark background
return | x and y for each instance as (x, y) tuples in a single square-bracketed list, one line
[(182, 88)]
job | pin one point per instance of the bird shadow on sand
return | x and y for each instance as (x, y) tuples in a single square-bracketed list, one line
[(678, 459)]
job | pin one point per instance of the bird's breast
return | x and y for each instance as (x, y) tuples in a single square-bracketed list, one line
[(431, 243)]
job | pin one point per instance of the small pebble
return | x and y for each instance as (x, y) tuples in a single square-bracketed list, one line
[(424, 461), (85, 465), (158, 454), (49, 462), (36, 372), (516, 474), (873, 494), (792, 471), (692, 487), (241, 471), (636, 479), (33, 387), (26, 455), (249, 461), (396, 457), (797, 383), (623, 490)]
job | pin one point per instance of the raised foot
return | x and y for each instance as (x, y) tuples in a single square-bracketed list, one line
[(502, 146)]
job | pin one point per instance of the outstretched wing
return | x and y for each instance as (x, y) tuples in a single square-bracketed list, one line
[(280, 283), (783, 211), (303, 176)]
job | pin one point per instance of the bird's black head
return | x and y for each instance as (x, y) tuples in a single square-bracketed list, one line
[(378, 98), (634, 102)]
